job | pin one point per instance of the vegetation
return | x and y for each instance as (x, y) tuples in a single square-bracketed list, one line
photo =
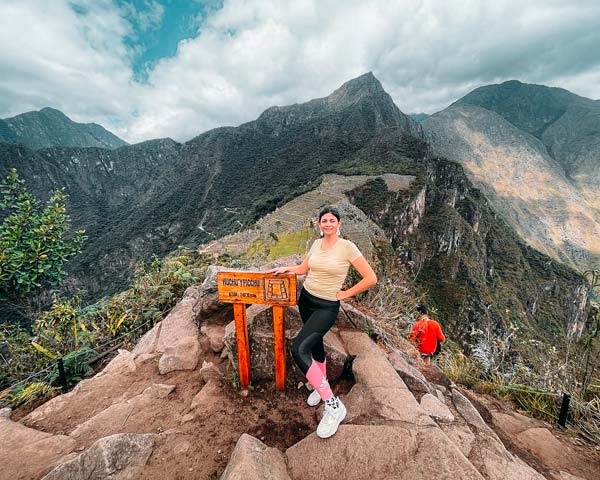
[(80, 334), (34, 243)]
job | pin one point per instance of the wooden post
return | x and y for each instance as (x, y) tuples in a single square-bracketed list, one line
[(241, 288), (243, 347), (279, 344), (564, 410)]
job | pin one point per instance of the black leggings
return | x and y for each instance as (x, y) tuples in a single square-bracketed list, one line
[(318, 316)]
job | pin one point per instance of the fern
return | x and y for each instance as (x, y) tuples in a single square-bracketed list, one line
[(76, 366)]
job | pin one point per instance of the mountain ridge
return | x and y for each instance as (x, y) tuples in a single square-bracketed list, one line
[(50, 127)]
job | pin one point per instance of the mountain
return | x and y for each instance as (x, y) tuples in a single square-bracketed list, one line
[(152, 197), (567, 125), (49, 127), (530, 148)]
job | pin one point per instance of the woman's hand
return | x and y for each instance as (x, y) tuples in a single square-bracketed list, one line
[(342, 294), (280, 270)]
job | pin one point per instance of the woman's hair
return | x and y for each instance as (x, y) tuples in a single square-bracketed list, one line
[(422, 309), (331, 210)]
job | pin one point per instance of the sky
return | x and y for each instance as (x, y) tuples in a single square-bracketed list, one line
[(176, 68)]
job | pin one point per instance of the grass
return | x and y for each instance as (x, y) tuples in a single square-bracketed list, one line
[(290, 243)]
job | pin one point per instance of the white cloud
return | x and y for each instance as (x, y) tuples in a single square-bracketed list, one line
[(250, 55)]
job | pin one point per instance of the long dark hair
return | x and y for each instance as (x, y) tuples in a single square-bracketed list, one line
[(331, 210)]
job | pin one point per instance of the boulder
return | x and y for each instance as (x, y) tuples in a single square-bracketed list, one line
[(412, 376), (216, 336), (357, 452), (252, 459), (182, 356), (553, 453), (208, 396), (118, 414), (123, 362), (207, 301), (352, 317), (36, 450), (118, 457), (436, 409), (262, 355), (379, 394), (472, 416), (176, 337), (210, 372)]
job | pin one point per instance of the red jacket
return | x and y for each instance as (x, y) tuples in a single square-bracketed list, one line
[(426, 332)]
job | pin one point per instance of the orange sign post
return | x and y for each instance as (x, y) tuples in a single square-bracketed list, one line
[(241, 288)]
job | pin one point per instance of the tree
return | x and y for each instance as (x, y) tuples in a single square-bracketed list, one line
[(34, 243)]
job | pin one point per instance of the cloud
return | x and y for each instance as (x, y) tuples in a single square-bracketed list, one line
[(250, 55)]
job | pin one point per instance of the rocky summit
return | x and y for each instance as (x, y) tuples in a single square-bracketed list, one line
[(166, 409)]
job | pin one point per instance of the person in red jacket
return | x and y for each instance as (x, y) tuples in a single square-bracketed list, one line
[(426, 333)]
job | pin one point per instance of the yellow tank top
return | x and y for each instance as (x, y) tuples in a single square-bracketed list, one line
[(327, 269)]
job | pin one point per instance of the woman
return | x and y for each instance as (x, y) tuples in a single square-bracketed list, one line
[(327, 264)]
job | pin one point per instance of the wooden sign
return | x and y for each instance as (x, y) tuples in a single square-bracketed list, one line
[(257, 287), (241, 288)]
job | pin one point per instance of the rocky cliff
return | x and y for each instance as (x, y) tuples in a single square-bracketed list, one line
[(481, 276), (533, 151)]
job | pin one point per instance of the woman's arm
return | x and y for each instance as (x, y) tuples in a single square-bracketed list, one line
[(368, 279), (301, 269)]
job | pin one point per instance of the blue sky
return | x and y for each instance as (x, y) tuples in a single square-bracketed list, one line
[(150, 69), (159, 26)]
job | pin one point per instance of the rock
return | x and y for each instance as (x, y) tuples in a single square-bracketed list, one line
[(158, 390), (461, 435), (210, 372), (262, 356), (36, 450), (357, 452), (176, 337), (436, 409), (216, 336), (564, 476), (5, 413), (499, 467), (412, 376), (118, 414), (120, 456), (471, 415), (208, 396), (513, 423), (123, 362), (207, 301), (551, 451), (183, 356), (351, 316), (252, 459), (379, 393), (144, 357)]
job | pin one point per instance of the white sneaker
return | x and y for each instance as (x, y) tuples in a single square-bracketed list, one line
[(335, 412), (314, 398)]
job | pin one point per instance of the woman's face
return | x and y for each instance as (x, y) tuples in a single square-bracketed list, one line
[(329, 224)]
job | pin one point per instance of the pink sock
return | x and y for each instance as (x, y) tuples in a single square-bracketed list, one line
[(323, 366), (319, 381)]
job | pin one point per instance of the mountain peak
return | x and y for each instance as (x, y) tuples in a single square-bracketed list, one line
[(50, 127), (356, 89), (528, 106), (361, 102)]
